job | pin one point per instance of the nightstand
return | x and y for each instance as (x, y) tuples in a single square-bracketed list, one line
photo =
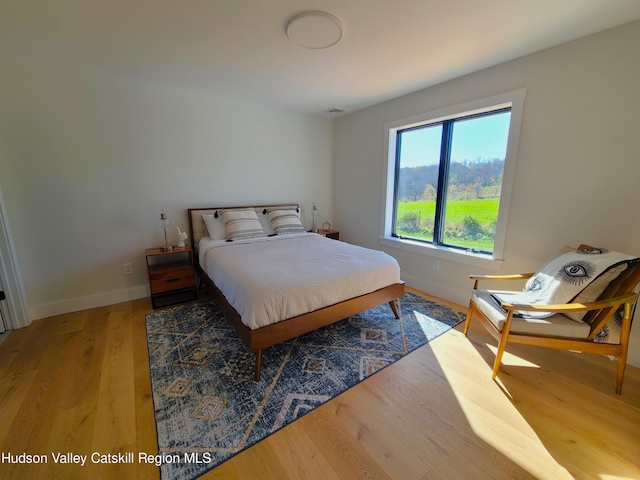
[(335, 234), (171, 275)]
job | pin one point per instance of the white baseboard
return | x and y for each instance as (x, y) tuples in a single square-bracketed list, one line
[(83, 303), (633, 357), (437, 290)]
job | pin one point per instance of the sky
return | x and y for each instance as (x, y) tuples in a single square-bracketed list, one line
[(484, 137)]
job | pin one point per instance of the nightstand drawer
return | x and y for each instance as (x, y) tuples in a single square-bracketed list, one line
[(171, 275), (173, 279), (335, 234)]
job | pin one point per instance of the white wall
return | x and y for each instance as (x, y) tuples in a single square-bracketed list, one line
[(578, 164), (88, 162)]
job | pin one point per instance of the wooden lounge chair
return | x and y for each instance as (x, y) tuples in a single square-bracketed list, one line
[(616, 296)]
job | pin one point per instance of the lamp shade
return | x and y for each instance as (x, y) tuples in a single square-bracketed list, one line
[(164, 221)]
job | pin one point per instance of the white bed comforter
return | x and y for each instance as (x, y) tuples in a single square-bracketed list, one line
[(271, 279)]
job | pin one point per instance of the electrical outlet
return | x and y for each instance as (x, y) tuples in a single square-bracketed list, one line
[(128, 268), (436, 264)]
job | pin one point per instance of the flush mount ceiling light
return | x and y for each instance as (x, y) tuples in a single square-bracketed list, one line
[(314, 29)]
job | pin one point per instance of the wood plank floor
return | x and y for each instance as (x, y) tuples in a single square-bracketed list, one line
[(79, 383)]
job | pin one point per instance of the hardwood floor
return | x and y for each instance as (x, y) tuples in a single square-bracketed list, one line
[(79, 383)]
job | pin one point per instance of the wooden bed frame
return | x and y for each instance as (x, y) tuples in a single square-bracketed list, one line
[(257, 340)]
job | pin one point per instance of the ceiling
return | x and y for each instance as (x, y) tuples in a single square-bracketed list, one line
[(239, 48)]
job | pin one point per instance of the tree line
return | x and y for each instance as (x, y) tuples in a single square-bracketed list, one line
[(467, 180)]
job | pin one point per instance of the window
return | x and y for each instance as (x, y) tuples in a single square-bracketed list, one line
[(449, 178)]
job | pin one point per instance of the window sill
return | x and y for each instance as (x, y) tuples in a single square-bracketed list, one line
[(454, 255)]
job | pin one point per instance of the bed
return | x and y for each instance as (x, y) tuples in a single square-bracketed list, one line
[(274, 281)]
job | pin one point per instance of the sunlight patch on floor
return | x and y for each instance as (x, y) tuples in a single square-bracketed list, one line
[(511, 359), (494, 419), (423, 321)]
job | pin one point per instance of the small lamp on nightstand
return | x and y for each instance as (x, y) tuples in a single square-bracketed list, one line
[(165, 223), (314, 214)]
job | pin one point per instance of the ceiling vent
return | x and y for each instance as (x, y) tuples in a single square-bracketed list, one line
[(336, 110)]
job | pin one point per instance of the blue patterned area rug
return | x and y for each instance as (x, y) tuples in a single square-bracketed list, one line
[(207, 406)]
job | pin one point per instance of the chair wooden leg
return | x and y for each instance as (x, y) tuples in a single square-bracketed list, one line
[(625, 333), (496, 364), (622, 363), (468, 320), (502, 345)]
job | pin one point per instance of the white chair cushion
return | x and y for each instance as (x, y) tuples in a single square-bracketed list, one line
[(556, 325)]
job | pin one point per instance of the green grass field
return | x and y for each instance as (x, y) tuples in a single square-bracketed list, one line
[(421, 215)]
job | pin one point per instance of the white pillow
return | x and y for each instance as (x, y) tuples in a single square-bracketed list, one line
[(215, 227), (241, 224), (285, 222)]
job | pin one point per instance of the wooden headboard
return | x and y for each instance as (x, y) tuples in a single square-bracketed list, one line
[(197, 228)]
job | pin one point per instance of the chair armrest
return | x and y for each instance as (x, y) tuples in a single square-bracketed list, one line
[(573, 307), (516, 276), (513, 276)]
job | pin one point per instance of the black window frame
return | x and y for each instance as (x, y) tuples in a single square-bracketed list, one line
[(443, 177)]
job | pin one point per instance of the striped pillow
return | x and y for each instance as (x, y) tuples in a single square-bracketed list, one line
[(285, 221), (241, 224)]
